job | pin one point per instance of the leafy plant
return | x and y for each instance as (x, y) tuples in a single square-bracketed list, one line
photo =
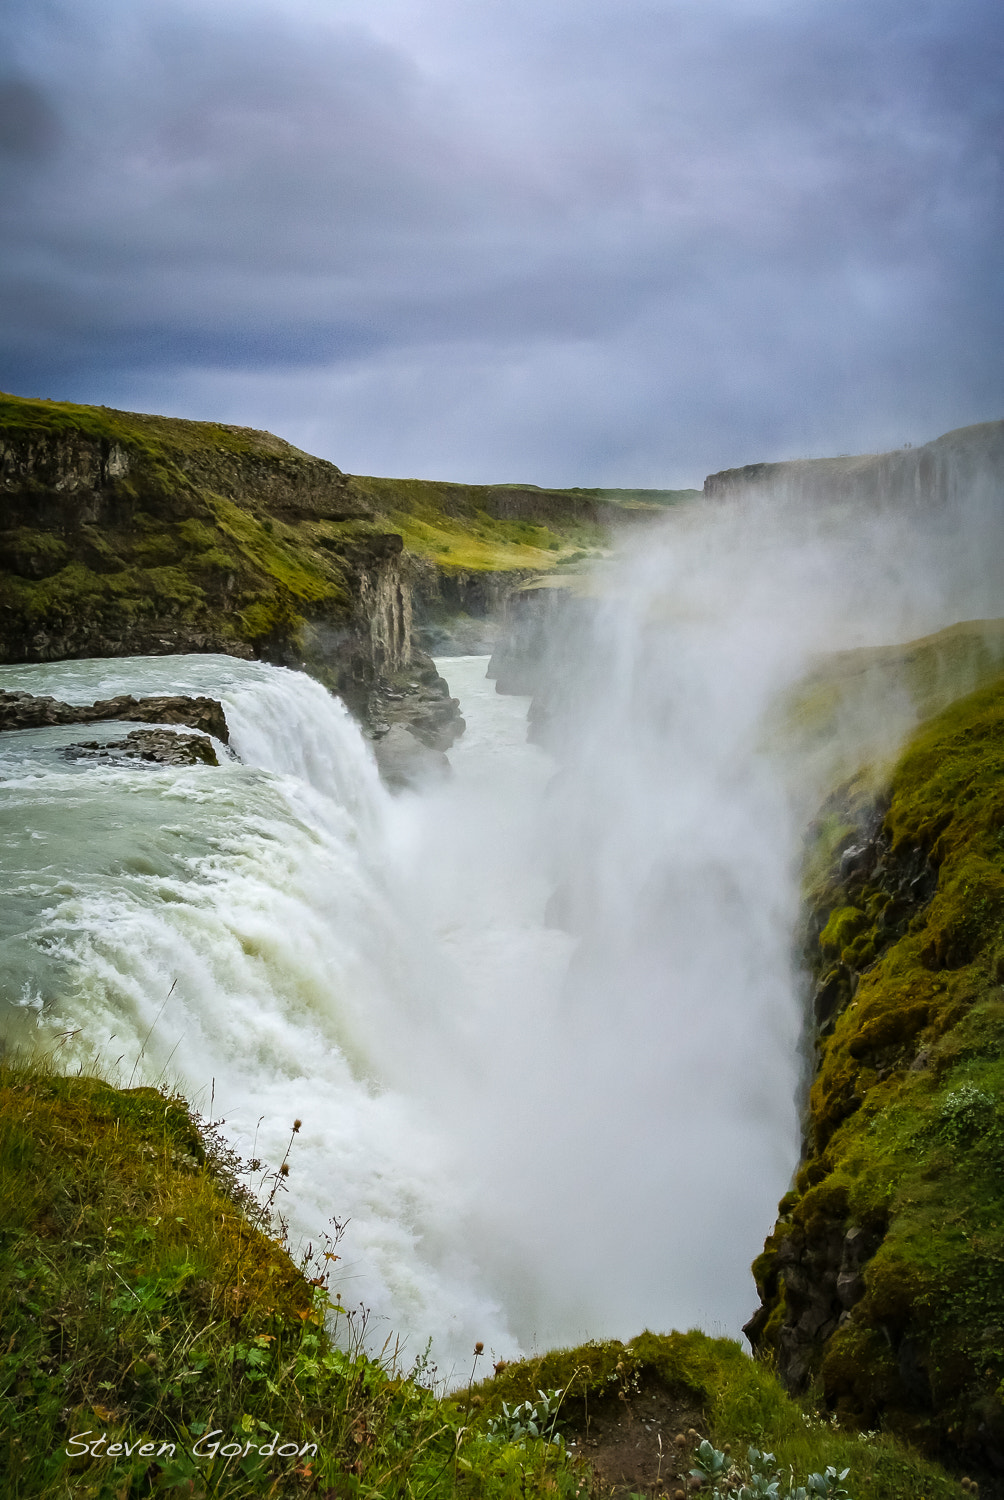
[(965, 1112), (529, 1419), (759, 1478)]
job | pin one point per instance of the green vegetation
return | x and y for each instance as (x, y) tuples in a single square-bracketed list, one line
[(155, 436), (856, 707), (643, 499), (739, 1402), (129, 532), (150, 1319), (906, 1112), (488, 528), (483, 545), (758, 1475), (145, 1304)]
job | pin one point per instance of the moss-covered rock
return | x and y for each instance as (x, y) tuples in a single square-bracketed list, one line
[(123, 534), (882, 1285)]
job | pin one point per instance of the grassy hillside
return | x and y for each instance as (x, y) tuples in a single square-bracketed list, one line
[(477, 527), (150, 1320), (855, 708), (480, 528), (465, 528)]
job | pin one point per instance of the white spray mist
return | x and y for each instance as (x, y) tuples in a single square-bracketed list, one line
[(630, 1124)]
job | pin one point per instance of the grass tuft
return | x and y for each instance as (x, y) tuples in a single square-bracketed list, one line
[(158, 1339)]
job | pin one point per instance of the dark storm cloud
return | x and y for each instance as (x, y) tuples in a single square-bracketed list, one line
[(595, 242), (28, 126)]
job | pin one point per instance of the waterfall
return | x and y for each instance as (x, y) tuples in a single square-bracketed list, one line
[(240, 931), (541, 1022)]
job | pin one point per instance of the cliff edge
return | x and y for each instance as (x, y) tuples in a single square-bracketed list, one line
[(927, 475), (881, 1284), (127, 534)]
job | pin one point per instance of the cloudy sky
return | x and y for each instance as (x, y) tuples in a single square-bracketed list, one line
[(561, 241)]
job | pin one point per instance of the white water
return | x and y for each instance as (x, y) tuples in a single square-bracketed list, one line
[(246, 926), (539, 1135)]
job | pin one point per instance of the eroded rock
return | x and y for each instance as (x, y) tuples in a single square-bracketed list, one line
[(25, 711), (404, 760), (162, 746)]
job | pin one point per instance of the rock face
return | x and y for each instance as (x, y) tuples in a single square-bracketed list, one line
[(465, 613), (544, 622), (160, 746), (406, 761), (929, 475), (123, 534), (881, 1284), (23, 711)]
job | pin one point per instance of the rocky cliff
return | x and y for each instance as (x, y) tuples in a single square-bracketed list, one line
[(125, 534), (882, 1283), (131, 535), (931, 474)]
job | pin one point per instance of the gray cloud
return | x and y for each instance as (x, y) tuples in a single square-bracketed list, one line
[(616, 241), (29, 127)]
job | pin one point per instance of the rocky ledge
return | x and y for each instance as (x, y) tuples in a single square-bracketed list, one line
[(130, 535), (24, 711), (163, 747)]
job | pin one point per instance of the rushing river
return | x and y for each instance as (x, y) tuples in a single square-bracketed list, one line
[(541, 1021)]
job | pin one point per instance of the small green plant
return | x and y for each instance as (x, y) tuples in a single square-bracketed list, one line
[(759, 1478), (529, 1420), (829, 1484), (966, 1112), (711, 1463)]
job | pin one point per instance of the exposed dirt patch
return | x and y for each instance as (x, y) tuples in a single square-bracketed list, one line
[(629, 1440)]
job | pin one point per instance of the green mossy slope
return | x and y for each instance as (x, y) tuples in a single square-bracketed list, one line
[(857, 707), (126, 533), (144, 1303), (739, 1402), (883, 1282), (470, 528)]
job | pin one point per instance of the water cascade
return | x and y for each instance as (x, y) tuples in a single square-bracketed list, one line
[(541, 1022)]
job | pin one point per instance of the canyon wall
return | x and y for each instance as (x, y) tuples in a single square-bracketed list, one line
[(934, 473), (131, 535)]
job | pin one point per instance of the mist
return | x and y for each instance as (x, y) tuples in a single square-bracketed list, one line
[(625, 1093)]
